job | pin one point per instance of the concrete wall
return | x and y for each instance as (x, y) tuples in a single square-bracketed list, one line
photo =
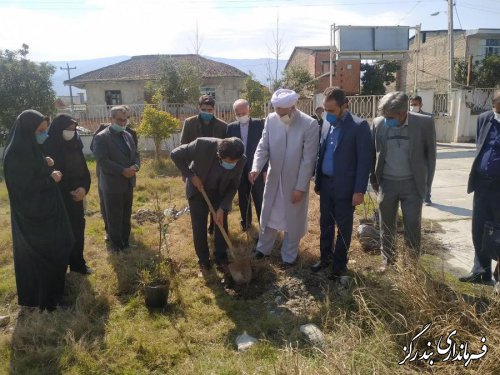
[(433, 58), (445, 129)]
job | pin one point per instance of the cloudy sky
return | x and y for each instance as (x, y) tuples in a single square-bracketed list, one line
[(84, 29)]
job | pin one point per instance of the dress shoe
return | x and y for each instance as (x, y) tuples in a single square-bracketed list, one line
[(84, 271), (428, 202), (476, 278), (287, 265), (318, 266), (337, 274), (259, 255)]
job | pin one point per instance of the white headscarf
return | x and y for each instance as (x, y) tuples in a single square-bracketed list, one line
[(284, 98)]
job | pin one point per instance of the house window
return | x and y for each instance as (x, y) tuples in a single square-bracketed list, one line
[(113, 97), (325, 67), (492, 47), (208, 91)]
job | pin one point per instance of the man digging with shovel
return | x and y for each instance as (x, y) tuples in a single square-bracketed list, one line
[(213, 168)]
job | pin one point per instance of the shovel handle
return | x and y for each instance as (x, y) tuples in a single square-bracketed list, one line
[(221, 227)]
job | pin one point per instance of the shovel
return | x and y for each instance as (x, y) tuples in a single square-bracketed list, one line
[(240, 267)]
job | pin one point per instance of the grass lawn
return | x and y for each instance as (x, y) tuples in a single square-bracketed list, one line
[(108, 329)]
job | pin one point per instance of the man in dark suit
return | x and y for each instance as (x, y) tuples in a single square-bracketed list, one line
[(484, 181), (344, 164), (405, 145), (118, 161), (133, 133), (249, 130), (213, 165), (416, 107), (205, 124)]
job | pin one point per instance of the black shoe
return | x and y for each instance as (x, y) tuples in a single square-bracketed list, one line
[(337, 274), (84, 271), (428, 202), (318, 266), (258, 255), (477, 278), (287, 265)]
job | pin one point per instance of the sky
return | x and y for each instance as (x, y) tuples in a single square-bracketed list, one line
[(85, 29)]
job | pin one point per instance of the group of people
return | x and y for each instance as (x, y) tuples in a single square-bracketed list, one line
[(47, 180), (268, 162), (272, 162)]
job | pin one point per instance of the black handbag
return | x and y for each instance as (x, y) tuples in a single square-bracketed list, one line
[(491, 240)]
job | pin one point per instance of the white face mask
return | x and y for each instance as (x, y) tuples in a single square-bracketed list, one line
[(286, 119), (68, 135), (415, 108), (243, 119)]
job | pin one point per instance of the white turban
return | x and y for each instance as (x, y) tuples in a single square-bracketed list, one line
[(284, 98)]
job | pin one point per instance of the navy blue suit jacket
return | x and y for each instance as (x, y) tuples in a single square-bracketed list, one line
[(255, 128), (483, 128), (353, 158)]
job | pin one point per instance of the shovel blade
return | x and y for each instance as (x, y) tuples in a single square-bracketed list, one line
[(241, 271)]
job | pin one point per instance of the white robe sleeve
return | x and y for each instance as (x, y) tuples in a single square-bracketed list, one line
[(309, 156)]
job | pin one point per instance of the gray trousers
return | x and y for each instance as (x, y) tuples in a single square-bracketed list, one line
[(391, 194)]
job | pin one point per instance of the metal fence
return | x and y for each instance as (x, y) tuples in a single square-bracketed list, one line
[(480, 100), (364, 106), (440, 104)]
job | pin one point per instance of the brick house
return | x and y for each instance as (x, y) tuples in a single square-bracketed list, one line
[(124, 82), (433, 56), (346, 73)]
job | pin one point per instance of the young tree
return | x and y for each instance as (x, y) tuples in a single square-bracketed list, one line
[(180, 81), (23, 85), (377, 75), (256, 94), (158, 125), (299, 79)]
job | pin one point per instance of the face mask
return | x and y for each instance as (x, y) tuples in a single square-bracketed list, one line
[(414, 108), (68, 135), (286, 119), (206, 116), (243, 119), (41, 137), (117, 128), (391, 122), (227, 165), (331, 118)]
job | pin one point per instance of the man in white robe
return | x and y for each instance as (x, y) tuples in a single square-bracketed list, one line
[(290, 144)]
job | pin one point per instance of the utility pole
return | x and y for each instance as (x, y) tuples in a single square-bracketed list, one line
[(418, 29), (451, 67), (70, 89), (469, 70)]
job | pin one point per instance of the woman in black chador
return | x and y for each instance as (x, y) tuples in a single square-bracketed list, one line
[(41, 233), (64, 146)]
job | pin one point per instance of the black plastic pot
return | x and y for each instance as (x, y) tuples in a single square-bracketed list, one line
[(156, 295)]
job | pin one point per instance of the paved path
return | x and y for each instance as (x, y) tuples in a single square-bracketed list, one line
[(452, 206)]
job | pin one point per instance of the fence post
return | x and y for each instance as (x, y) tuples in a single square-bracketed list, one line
[(374, 106)]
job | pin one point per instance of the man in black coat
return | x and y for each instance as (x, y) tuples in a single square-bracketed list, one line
[(118, 161), (215, 166), (249, 130), (484, 181)]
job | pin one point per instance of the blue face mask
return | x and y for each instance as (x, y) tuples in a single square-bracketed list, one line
[(331, 118), (206, 116), (117, 128), (391, 122), (41, 137), (227, 165)]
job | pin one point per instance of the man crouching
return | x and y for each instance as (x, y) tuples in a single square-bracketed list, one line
[(214, 165)]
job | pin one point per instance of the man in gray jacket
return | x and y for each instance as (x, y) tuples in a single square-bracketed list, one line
[(405, 145), (118, 160), (214, 165)]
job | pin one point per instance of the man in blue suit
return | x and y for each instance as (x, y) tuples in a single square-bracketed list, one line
[(249, 130), (484, 181), (344, 163)]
